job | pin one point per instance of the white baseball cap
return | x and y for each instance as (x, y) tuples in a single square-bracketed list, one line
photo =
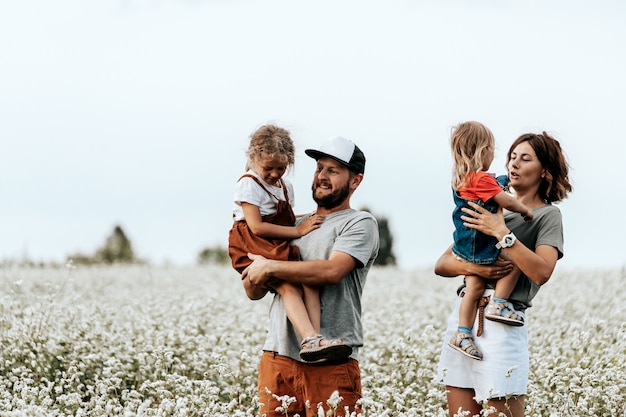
[(342, 150)]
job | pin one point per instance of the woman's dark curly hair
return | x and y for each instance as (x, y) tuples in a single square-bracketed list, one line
[(555, 184)]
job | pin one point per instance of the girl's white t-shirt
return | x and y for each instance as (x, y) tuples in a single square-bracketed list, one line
[(248, 191)]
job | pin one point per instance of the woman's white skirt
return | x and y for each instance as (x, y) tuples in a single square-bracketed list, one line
[(504, 368)]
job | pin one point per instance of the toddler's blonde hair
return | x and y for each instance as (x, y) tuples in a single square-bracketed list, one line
[(469, 141)]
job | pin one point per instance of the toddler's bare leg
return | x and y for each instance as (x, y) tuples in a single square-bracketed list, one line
[(474, 289), (312, 304), (506, 284)]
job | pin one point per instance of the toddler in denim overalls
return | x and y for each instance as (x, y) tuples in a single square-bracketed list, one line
[(473, 148)]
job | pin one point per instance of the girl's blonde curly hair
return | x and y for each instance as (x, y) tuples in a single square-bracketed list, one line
[(269, 141), (469, 142)]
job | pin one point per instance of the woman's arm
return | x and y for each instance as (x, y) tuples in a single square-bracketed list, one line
[(449, 265), (537, 266)]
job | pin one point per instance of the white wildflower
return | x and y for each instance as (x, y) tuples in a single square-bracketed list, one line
[(285, 402), (334, 400), (511, 370)]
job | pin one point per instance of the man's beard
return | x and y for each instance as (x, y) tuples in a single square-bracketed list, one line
[(334, 199)]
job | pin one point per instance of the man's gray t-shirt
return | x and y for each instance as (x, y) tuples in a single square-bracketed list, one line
[(349, 231)]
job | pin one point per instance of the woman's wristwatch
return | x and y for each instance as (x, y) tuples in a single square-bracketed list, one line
[(507, 241)]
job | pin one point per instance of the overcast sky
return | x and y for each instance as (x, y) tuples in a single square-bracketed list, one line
[(138, 113)]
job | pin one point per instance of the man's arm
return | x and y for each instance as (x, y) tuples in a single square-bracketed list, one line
[(315, 273)]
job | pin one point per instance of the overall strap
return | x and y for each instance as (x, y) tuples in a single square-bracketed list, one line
[(282, 183)]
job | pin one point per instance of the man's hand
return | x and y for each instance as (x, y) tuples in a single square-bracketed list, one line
[(258, 271), (254, 289)]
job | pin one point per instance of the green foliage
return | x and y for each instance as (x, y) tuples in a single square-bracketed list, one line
[(386, 257), (215, 255), (116, 249)]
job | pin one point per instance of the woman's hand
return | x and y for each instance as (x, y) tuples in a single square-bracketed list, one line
[(500, 268), (449, 265), (484, 221)]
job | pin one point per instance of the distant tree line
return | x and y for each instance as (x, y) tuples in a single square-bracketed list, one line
[(117, 249), (213, 255)]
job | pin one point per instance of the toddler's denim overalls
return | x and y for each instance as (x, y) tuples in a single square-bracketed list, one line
[(469, 244)]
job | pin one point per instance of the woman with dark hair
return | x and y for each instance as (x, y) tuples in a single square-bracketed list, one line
[(538, 173)]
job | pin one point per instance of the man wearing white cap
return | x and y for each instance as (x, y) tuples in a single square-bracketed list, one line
[(336, 257)]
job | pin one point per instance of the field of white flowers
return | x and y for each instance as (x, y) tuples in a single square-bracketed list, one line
[(148, 341)]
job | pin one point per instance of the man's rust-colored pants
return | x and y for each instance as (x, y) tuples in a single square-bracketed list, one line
[(309, 384)]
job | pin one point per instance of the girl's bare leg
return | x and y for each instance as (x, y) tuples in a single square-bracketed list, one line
[(506, 284), (295, 308), (312, 303)]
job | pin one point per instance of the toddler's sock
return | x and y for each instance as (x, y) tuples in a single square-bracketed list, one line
[(467, 330), (502, 300), (463, 329)]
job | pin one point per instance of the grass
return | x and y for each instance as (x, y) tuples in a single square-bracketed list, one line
[(147, 341)]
